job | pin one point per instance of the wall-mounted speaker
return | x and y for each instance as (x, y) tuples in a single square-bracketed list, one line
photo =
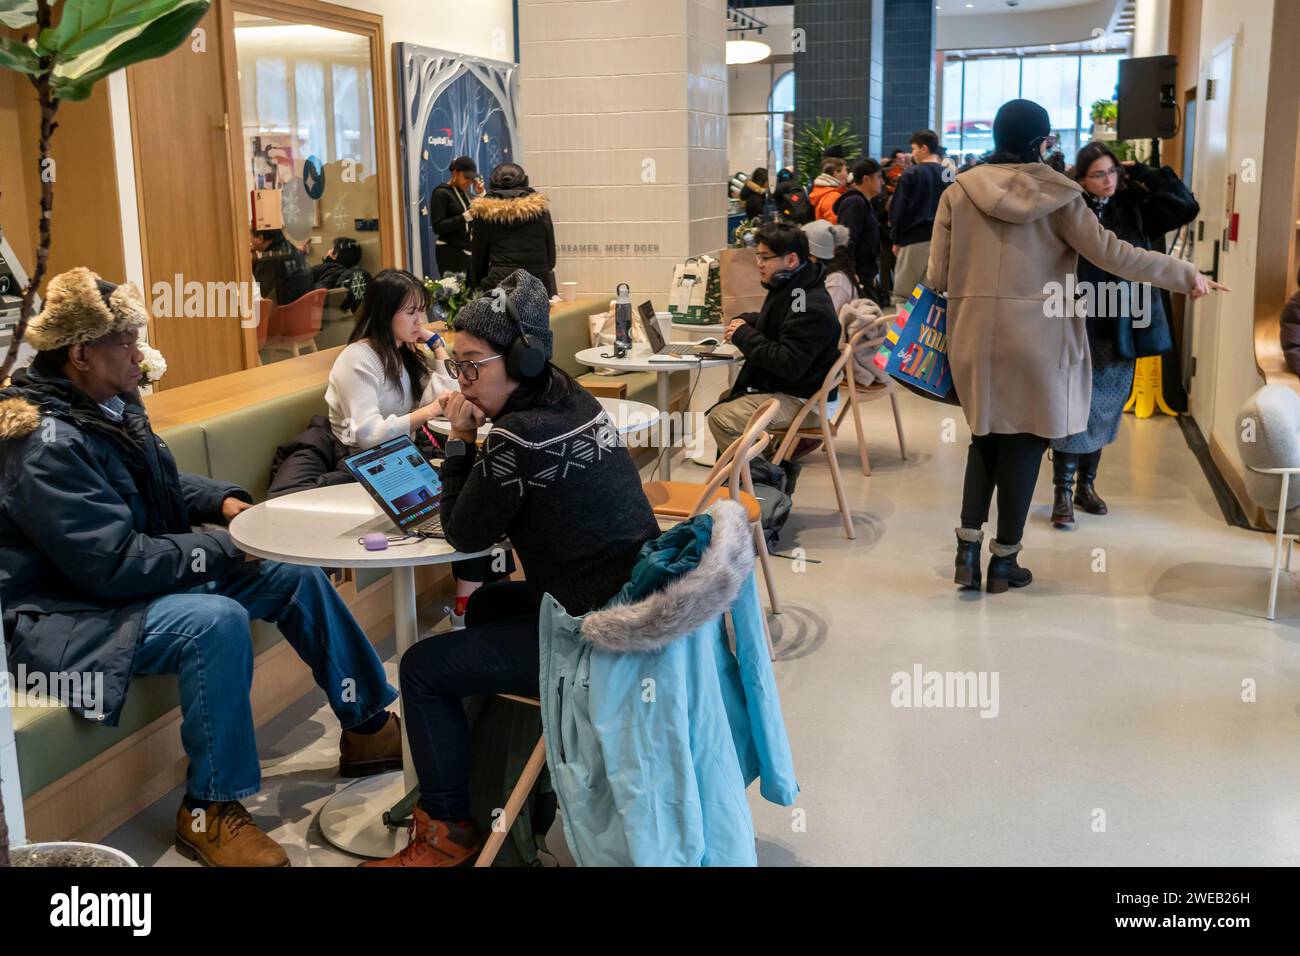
[(1147, 104)]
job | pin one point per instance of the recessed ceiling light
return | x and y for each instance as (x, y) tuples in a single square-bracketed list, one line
[(969, 6)]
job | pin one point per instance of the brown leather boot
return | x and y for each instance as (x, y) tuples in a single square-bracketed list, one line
[(224, 834), (433, 843), (362, 755)]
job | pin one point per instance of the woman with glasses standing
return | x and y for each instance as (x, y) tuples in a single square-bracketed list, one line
[(1007, 235), (1140, 205), (551, 476), (381, 387)]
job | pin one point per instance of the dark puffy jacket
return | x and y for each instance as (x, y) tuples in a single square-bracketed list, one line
[(282, 273), (332, 274), (1152, 203), (853, 210), (95, 523), (786, 350), (916, 202), (513, 230)]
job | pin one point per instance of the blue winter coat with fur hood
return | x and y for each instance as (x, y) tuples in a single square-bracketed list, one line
[(654, 727)]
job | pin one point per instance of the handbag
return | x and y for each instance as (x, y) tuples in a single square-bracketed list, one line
[(915, 352)]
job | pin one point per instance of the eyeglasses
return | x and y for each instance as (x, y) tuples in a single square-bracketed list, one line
[(762, 258), (466, 367), (1112, 173)]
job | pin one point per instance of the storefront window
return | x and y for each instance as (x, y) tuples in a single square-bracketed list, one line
[(306, 97), (1066, 86)]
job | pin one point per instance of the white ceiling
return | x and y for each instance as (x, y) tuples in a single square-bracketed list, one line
[(954, 8)]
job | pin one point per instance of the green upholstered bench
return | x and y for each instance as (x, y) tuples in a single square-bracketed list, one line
[(53, 742)]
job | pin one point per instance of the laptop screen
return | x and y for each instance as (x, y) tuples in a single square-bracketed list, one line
[(651, 325), (399, 479)]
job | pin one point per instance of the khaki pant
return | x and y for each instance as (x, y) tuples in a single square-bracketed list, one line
[(728, 420), (910, 269)]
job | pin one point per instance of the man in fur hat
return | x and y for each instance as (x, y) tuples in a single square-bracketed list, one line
[(103, 572)]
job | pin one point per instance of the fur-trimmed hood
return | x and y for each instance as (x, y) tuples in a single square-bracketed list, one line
[(687, 603), (19, 417), (505, 208)]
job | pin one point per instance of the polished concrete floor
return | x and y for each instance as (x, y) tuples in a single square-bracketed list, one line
[(1145, 712)]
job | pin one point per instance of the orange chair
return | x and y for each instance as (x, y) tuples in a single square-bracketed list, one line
[(730, 478), (863, 393), (299, 322)]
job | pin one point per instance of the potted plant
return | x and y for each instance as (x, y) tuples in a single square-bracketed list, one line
[(1104, 113), (815, 138), (66, 47), (448, 294)]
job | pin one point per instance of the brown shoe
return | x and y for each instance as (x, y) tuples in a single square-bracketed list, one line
[(434, 843), (805, 446), (224, 834), (361, 755)]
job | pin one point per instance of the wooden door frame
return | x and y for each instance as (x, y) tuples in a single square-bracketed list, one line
[(333, 17)]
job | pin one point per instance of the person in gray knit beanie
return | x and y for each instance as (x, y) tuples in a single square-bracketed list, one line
[(487, 318)]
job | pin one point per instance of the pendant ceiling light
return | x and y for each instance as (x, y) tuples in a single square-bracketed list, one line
[(746, 51)]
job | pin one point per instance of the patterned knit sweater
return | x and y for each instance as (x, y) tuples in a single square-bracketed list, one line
[(558, 482)]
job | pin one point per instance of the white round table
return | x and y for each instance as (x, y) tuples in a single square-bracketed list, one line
[(639, 360), (628, 417), (320, 528)]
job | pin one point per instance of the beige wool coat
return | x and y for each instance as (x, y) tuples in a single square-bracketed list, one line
[(1002, 236)]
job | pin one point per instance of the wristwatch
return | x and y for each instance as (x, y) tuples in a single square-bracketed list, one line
[(455, 447)]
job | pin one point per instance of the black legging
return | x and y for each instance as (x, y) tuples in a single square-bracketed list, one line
[(496, 653), (1010, 464)]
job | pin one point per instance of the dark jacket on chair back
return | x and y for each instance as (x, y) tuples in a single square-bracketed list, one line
[(789, 349), (95, 523)]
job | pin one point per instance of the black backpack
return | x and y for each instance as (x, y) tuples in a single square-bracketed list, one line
[(795, 206), (773, 487)]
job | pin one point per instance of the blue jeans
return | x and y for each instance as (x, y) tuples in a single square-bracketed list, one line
[(203, 636)]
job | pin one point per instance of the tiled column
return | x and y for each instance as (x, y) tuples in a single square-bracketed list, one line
[(838, 74), (623, 116), (909, 70)]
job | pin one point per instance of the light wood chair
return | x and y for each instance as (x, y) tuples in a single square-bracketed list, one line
[(826, 430), (527, 779), (730, 478), (863, 393)]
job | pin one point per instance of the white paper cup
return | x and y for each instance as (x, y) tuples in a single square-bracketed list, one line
[(569, 291)]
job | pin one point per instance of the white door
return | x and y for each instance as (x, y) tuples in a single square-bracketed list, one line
[(1213, 123)]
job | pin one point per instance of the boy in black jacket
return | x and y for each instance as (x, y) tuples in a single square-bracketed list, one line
[(912, 212), (789, 345)]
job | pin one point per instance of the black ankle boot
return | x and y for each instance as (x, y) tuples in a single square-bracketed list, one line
[(1064, 466), (969, 542), (1085, 496), (1004, 572)]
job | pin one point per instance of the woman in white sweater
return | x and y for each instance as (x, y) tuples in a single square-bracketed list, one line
[(382, 386)]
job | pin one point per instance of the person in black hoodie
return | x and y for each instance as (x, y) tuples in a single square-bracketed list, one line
[(1140, 205), (854, 210), (341, 269), (512, 230), (280, 268), (451, 218), (754, 194), (789, 345)]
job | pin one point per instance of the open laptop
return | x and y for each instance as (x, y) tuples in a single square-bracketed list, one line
[(403, 484), (706, 348)]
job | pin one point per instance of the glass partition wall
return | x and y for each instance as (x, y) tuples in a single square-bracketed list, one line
[(312, 177)]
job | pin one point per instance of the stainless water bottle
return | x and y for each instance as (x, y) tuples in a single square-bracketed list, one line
[(623, 318)]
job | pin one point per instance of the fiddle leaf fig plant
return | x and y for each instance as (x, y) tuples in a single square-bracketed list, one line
[(65, 48)]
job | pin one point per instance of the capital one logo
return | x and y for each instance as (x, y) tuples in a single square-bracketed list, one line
[(444, 139)]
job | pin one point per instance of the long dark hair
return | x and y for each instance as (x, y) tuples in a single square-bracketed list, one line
[(842, 261), (386, 294)]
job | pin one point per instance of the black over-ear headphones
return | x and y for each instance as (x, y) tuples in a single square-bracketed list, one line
[(524, 359)]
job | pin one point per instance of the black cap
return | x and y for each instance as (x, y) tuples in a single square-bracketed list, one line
[(864, 168), (463, 164)]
